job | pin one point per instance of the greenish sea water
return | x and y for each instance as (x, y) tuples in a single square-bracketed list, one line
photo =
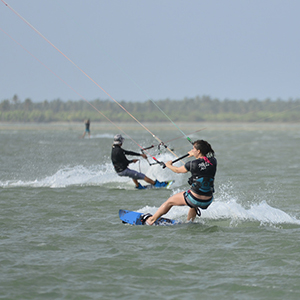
[(61, 237)]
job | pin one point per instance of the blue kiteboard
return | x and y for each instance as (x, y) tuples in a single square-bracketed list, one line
[(136, 218), (150, 186)]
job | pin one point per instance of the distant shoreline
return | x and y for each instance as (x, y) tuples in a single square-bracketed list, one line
[(187, 127), (198, 109)]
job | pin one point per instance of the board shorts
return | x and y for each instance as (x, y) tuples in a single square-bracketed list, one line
[(132, 174), (196, 203)]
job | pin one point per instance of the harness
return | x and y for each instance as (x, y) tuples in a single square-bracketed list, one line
[(196, 203), (203, 184)]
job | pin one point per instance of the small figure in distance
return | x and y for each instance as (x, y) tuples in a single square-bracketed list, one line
[(87, 128), (120, 163), (200, 194)]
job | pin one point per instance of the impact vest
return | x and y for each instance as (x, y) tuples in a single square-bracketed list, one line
[(203, 173)]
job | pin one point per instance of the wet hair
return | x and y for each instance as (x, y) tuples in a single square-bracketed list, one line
[(204, 147)]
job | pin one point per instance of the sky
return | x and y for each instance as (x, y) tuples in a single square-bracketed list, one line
[(135, 50)]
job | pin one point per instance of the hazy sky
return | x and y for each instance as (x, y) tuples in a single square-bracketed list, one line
[(141, 49)]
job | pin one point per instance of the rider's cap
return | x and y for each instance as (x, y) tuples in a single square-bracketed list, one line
[(118, 139)]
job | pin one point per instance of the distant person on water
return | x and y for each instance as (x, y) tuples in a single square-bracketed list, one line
[(121, 163), (200, 194), (87, 128)]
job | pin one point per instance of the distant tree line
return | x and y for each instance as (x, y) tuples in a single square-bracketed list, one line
[(196, 109)]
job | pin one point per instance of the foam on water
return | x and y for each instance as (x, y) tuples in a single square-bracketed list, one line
[(93, 175), (228, 207), (67, 176), (101, 136), (234, 212)]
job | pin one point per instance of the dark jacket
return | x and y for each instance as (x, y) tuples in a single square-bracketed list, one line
[(119, 159)]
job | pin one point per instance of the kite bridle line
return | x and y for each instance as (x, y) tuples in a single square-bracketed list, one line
[(41, 35), (161, 143), (121, 130)]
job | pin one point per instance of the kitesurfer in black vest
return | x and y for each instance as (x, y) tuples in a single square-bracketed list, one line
[(200, 194), (121, 163)]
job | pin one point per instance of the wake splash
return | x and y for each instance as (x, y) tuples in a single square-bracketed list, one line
[(97, 175), (233, 213), (231, 210), (70, 176)]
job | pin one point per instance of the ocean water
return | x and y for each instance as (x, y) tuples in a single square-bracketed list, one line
[(61, 237)]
